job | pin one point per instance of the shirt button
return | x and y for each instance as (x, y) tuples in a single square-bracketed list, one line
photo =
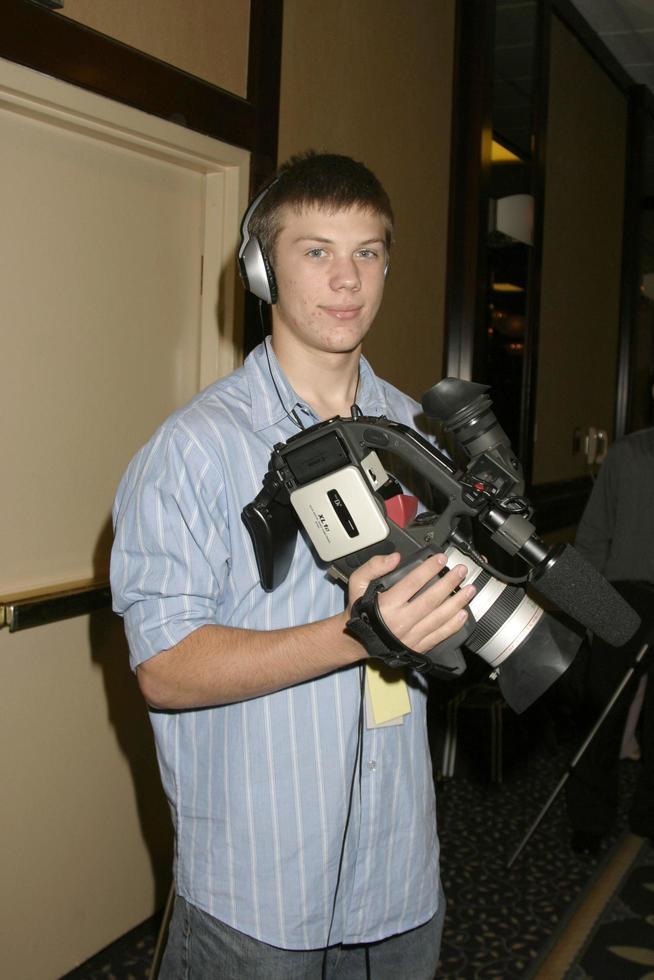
[(372, 765)]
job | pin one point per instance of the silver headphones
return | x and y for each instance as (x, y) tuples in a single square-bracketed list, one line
[(253, 263)]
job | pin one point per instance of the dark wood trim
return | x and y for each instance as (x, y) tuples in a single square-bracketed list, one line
[(41, 39), (264, 79), (470, 170), (630, 276), (530, 363)]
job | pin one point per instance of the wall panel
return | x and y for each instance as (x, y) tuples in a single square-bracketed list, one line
[(582, 252), (207, 38), (373, 79)]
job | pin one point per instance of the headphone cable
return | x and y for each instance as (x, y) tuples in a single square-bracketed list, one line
[(293, 416), (357, 768)]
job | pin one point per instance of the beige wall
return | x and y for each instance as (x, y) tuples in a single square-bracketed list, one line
[(207, 38), (582, 250), (373, 79), (85, 833)]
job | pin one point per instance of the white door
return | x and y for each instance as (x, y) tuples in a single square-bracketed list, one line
[(108, 217)]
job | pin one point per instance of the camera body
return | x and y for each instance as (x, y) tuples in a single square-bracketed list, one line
[(331, 480)]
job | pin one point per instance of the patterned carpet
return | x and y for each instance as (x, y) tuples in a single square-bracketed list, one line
[(609, 932), (500, 923)]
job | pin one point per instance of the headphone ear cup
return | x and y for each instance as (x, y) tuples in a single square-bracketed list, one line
[(257, 272), (270, 275)]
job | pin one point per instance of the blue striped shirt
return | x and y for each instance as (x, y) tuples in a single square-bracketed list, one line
[(259, 789)]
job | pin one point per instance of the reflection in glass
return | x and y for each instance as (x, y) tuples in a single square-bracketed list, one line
[(508, 260)]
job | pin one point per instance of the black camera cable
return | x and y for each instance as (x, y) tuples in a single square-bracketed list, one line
[(358, 759), (293, 416)]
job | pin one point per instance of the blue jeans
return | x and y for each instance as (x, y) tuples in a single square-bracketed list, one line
[(203, 948)]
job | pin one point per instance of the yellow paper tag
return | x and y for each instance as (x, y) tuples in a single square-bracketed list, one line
[(388, 693)]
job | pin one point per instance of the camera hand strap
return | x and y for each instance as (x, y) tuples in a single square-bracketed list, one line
[(368, 626)]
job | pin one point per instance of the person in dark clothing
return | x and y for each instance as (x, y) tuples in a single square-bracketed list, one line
[(616, 534)]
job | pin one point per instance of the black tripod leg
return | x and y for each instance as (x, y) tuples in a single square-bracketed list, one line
[(614, 697)]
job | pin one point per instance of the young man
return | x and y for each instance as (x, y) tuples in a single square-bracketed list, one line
[(284, 844)]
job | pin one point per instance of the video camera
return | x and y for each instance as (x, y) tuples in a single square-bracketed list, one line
[(330, 480)]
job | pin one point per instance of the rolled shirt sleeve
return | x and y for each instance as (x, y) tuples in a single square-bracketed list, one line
[(171, 553)]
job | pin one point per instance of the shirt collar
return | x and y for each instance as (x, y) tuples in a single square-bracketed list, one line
[(273, 398)]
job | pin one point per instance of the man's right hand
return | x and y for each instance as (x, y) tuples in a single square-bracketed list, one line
[(422, 622)]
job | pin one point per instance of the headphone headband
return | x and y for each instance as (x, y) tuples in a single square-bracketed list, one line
[(254, 266)]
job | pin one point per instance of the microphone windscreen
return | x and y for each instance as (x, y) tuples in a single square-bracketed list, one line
[(578, 589)]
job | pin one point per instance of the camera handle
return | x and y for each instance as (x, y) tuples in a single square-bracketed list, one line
[(368, 626), (591, 735)]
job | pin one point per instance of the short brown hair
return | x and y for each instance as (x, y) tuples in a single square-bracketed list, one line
[(326, 180)]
